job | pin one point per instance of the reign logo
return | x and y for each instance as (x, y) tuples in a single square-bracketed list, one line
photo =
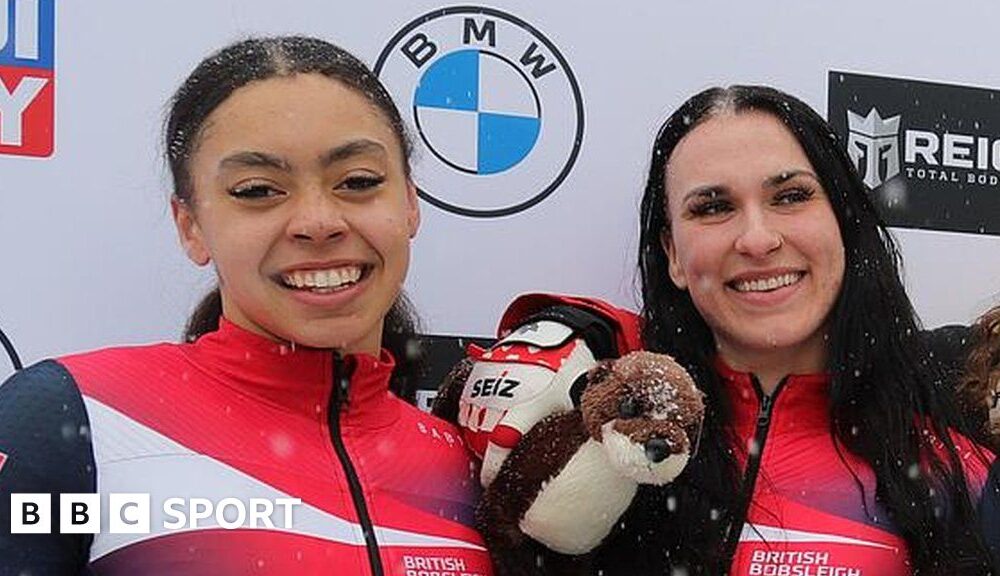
[(930, 153), (496, 107), (874, 142)]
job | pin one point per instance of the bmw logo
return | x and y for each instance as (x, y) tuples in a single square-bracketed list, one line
[(496, 107)]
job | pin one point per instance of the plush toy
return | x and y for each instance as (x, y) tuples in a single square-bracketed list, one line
[(567, 413)]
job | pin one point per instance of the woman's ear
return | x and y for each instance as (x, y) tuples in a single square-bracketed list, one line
[(412, 208), (189, 232), (674, 266)]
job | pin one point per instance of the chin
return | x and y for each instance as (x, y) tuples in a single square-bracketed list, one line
[(348, 339), (778, 336), (346, 344)]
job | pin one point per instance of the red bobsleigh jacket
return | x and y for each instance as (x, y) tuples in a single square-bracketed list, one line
[(384, 488), (808, 516)]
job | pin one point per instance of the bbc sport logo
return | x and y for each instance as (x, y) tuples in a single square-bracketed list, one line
[(27, 77), (496, 107), (133, 513)]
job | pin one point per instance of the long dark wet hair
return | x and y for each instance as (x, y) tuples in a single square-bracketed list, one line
[(885, 394), (253, 59)]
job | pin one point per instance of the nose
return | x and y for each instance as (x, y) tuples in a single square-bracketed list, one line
[(759, 236), (657, 450), (318, 216)]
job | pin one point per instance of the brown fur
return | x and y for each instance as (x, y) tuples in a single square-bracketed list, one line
[(656, 383), (981, 382), (450, 391), (542, 453)]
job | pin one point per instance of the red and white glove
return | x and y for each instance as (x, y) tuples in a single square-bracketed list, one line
[(548, 344)]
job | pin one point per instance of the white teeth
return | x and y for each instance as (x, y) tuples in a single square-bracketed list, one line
[(767, 284), (323, 279)]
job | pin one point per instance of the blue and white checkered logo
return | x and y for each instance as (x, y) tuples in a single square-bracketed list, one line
[(455, 92), (497, 109)]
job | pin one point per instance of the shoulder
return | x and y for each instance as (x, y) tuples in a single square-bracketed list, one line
[(46, 388), (989, 511), (35, 385), (44, 432), (122, 357), (981, 468), (110, 372), (45, 448)]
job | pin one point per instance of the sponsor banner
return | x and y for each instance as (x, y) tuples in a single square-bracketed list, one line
[(497, 110), (27, 77), (929, 152)]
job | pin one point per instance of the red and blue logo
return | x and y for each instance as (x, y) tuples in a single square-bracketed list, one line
[(27, 77)]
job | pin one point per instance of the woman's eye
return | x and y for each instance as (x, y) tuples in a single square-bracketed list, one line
[(254, 191), (710, 208), (362, 182), (793, 196)]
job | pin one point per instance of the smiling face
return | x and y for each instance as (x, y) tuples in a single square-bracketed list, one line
[(302, 202), (754, 240)]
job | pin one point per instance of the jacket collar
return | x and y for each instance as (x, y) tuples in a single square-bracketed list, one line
[(805, 395), (295, 378)]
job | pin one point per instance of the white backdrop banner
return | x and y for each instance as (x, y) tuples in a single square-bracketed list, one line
[(533, 122)]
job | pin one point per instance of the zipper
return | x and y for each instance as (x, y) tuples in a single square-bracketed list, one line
[(753, 465), (338, 400)]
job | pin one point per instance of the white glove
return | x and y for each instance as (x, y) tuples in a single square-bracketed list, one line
[(537, 370)]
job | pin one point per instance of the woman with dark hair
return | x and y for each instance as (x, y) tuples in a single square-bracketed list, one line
[(830, 444), (274, 440)]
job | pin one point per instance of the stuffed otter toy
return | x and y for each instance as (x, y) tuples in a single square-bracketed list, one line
[(565, 412)]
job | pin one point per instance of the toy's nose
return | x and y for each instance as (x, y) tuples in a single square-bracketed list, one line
[(657, 450)]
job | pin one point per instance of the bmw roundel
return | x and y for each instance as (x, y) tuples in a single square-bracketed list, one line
[(497, 111)]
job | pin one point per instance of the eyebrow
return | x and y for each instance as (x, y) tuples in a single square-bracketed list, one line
[(350, 149), (715, 190), (707, 191), (255, 159), (779, 179)]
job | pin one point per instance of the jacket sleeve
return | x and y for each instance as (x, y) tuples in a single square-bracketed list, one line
[(45, 447), (989, 514)]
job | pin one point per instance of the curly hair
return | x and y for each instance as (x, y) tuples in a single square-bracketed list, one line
[(979, 389)]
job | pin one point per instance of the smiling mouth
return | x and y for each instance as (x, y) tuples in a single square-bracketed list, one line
[(769, 284), (325, 281)]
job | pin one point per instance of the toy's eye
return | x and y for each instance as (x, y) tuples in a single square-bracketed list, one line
[(628, 408)]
